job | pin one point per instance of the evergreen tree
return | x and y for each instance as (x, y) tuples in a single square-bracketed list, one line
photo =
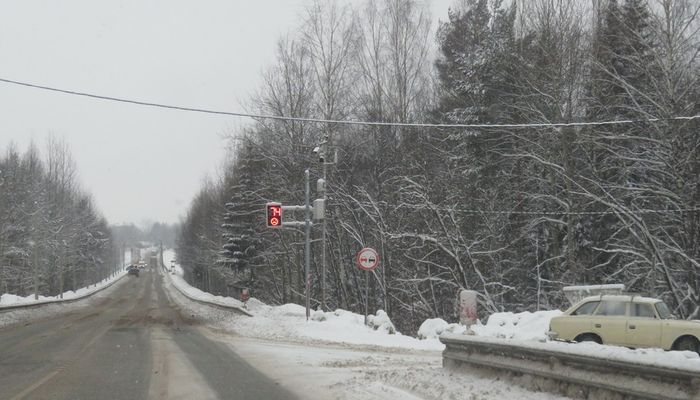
[(239, 227), (476, 46)]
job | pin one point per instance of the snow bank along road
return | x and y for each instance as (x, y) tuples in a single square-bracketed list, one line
[(129, 342), (318, 362)]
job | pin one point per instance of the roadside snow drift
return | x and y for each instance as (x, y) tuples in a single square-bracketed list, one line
[(9, 300), (288, 322)]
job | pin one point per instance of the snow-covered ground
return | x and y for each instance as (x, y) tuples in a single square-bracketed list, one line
[(335, 356), (288, 322), (337, 352), (8, 300), (23, 315), (179, 283), (350, 372)]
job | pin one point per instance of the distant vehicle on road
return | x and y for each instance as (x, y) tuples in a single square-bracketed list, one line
[(625, 320), (133, 270)]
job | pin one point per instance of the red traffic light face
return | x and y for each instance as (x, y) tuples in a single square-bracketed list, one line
[(274, 215)]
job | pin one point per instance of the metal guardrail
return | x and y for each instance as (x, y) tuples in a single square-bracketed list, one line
[(574, 374), (227, 307), (59, 301)]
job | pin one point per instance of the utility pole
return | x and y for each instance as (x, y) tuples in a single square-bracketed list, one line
[(61, 270), (323, 190), (35, 272), (307, 244)]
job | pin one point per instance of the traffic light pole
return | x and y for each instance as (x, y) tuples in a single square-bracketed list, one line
[(275, 219), (325, 150)]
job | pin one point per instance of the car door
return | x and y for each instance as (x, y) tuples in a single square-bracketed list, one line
[(569, 327), (610, 321), (643, 326)]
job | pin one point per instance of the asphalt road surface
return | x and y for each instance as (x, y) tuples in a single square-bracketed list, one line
[(132, 344)]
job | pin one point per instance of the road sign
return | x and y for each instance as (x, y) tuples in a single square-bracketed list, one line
[(274, 215), (368, 259)]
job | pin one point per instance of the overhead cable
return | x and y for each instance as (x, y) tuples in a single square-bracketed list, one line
[(537, 213), (579, 213), (350, 122)]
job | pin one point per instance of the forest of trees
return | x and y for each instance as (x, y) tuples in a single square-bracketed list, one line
[(52, 239), (515, 213)]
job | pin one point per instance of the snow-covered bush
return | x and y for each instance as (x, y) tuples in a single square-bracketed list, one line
[(291, 309), (254, 304), (381, 322), (524, 325), (433, 328), (319, 316)]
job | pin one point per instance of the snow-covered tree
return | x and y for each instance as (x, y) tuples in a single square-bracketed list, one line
[(49, 229), (241, 223)]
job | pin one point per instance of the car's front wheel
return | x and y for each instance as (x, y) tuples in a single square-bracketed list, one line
[(686, 343)]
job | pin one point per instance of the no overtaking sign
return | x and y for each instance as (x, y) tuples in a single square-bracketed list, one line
[(368, 259)]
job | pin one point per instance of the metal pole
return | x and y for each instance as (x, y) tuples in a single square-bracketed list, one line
[(323, 228), (35, 274), (325, 147), (539, 277), (366, 295), (307, 245)]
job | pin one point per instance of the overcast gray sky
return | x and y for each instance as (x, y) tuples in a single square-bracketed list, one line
[(140, 164)]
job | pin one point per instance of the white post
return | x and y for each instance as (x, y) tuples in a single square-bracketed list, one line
[(467, 308)]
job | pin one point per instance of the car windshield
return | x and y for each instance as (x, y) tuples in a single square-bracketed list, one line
[(664, 312)]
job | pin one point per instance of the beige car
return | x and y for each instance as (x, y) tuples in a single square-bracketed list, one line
[(625, 320)]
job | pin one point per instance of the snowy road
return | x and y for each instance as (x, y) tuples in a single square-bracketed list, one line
[(131, 343)]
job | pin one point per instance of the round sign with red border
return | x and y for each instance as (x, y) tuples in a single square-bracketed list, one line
[(368, 259)]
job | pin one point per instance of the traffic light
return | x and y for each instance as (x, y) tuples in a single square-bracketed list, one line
[(274, 215)]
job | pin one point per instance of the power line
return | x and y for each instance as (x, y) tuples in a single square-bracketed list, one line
[(347, 122), (579, 213), (537, 213)]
